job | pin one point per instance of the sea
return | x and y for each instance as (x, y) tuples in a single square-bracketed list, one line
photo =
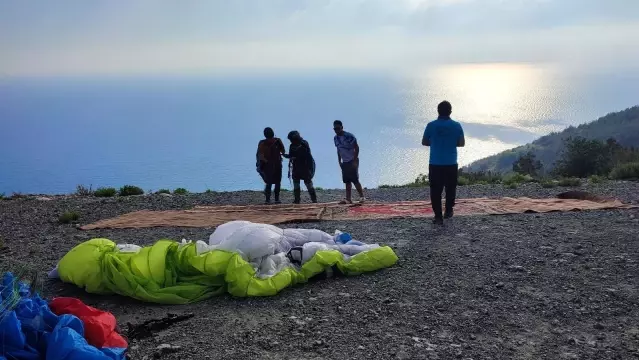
[(200, 131)]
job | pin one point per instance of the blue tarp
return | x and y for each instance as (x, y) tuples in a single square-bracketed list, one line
[(30, 331)]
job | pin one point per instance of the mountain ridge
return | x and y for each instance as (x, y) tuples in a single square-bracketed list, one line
[(622, 125)]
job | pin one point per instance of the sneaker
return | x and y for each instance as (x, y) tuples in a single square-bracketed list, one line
[(448, 214), (343, 202), (438, 221), (362, 200)]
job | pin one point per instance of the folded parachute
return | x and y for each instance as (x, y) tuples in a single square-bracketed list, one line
[(242, 258), (30, 330)]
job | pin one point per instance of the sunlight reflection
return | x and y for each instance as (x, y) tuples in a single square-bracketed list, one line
[(516, 95), (520, 98)]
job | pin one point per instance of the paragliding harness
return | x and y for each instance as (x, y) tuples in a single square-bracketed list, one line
[(295, 259)]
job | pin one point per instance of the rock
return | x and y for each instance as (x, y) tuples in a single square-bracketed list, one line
[(500, 285), (598, 326), (166, 195), (43, 198), (164, 349), (516, 268), (361, 347)]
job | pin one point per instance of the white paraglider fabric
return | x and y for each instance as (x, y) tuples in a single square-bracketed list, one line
[(266, 246)]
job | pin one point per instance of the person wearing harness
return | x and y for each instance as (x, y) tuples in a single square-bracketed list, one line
[(269, 163), (301, 165)]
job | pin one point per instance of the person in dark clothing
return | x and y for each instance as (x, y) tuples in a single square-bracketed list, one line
[(269, 163), (443, 136), (302, 166)]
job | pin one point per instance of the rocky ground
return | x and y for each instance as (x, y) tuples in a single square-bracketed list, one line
[(551, 286)]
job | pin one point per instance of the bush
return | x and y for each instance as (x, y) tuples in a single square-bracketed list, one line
[(463, 181), (68, 217), (569, 182), (180, 191), (628, 171), (1, 196), (209, 191), (596, 179), (548, 184), (105, 192), (82, 190), (128, 190), (512, 186), (163, 191), (17, 195), (481, 177), (319, 188), (517, 178)]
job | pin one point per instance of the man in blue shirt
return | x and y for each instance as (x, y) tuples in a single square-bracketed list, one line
[(443, 136), (348, 158)]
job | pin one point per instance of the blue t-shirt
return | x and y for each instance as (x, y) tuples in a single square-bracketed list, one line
[(443, 135), (345, 145)]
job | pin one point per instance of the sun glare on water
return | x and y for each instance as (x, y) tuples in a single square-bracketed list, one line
[(488, 98)]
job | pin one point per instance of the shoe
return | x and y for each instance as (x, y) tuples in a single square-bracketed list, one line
[(438, 221), (277, 202), (448, 214), (345, 202), (362, 200)]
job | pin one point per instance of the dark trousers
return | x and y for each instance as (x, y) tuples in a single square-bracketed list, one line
[(442, 177), (297, 190), (267, 192)]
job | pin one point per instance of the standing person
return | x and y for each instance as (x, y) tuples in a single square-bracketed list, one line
[(303, 165), (348, 159), (269, 163), (443, 136)]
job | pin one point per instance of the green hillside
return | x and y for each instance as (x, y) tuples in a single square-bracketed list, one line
[(622, 126)]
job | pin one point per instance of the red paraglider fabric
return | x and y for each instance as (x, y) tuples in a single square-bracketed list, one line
[(99, 326)]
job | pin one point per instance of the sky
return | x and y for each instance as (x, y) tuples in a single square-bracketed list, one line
[(76, 37)]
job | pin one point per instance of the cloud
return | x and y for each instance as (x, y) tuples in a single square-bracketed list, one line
[(75, 36)]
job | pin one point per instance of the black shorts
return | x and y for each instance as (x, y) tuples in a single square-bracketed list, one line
[(350, 172)]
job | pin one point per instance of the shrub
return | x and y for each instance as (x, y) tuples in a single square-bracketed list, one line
[(163, 191), (517, 178), (319, 188), (180, 191), (512, 186), (569, 182), (82, 190), (209, 191), (105, 192), (128, 190), (548, 184), (463, 181), (1, 196), (628, 171), (481, 177), (17, 195), (68, 217), (596, 179)]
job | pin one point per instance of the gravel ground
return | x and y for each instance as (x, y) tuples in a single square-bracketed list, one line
[(551, 286)]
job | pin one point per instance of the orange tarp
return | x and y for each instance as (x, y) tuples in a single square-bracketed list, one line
[(212, 216)]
